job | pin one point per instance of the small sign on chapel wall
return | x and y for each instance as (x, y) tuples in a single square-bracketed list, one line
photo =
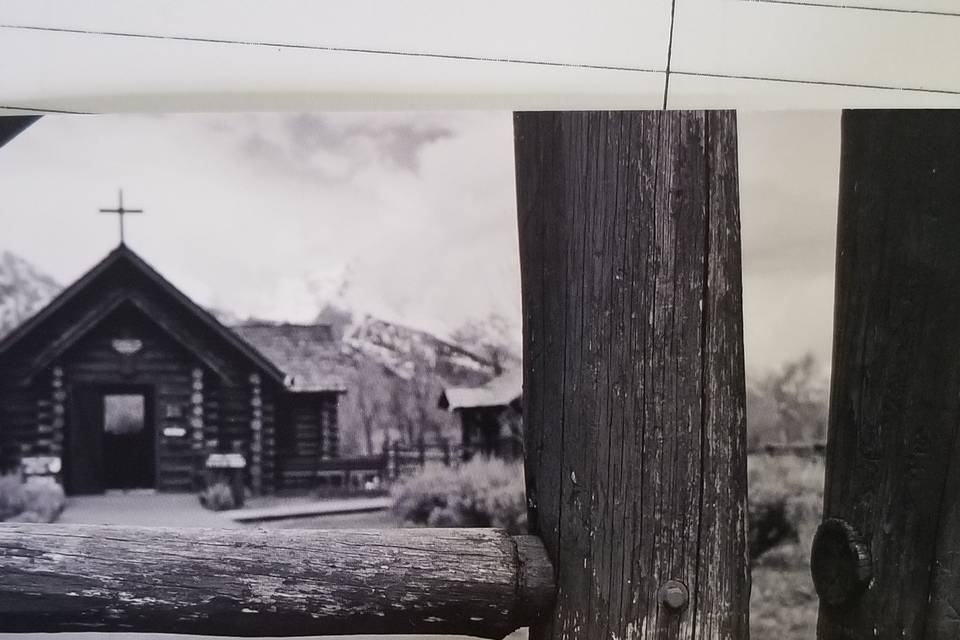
[(226, 461), (126, 346)]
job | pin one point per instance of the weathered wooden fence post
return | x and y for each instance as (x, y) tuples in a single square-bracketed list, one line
[(886, 561), (633, 370)]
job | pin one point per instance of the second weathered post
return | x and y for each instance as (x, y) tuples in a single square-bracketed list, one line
[(886, 561)]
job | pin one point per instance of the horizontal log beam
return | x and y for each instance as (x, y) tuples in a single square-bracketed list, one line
[(481, 582)]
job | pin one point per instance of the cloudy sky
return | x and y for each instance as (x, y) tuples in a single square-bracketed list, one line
[(409, 216)]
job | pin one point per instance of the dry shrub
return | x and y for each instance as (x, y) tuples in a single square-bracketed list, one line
[(783, 604), (218, 497), (485, 492), (29, 502), (11, 496), (785, 505)]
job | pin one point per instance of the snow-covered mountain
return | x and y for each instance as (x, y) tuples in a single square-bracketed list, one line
[(24, 290), (405, 344), (360, 312), (407, 352)]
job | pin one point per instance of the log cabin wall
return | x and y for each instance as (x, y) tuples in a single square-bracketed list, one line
[(161, 367), (164, 368), (18, 425), (230, 410), (481, 431), (268, 438), (307, 435)]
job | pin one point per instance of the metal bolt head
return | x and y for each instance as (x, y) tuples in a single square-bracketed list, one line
[(674, 595)]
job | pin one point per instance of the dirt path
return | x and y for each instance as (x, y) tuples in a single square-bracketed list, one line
[(145, 510)]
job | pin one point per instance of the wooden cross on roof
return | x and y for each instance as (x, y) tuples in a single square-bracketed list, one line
[(120, 211)]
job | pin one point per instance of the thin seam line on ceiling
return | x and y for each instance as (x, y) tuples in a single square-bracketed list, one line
[(856, 7), (827, 83), (311, 47)]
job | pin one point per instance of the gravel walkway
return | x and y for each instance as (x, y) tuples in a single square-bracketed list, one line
[(144, 510)]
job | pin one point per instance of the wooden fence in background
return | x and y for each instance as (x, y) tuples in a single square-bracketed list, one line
[(634, 413), (366, 473), (799, 449)]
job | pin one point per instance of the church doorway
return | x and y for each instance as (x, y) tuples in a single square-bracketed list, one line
[(112, 441)]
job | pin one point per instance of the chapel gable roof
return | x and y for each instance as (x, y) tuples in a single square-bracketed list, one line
[(126, 261)]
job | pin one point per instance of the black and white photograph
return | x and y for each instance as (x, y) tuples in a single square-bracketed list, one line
[(313, 321), (456, 321)]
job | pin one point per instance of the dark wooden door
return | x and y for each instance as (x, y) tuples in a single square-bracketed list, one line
[(84, 450), (128, 438), (112, 440)]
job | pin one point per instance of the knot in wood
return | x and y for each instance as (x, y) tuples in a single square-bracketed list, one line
[(840, 563), (674, 595)]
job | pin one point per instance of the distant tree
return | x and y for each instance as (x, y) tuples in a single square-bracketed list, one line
[(398, 408), (424, 390), (412, 405), (789, 405), (491, 339), (371, 400)]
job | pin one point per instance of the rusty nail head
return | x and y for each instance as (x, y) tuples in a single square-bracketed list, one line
[(674, 595)]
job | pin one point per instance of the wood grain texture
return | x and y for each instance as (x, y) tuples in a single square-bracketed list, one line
[(270, 583), (633, 379), (893, 462)]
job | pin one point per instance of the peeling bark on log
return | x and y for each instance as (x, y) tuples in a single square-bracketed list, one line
[(481, 582), (893, 447), (633, 371)]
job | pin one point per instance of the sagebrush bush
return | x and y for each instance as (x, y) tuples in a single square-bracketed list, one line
[(485, 492), (785, 495), (29, 502), (218, 497), (45, 501), (785, 498), (11, 496)]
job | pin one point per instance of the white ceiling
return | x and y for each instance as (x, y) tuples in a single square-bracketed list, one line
[(181, 55)]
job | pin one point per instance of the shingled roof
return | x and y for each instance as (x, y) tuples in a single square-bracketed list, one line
[(309, 355)]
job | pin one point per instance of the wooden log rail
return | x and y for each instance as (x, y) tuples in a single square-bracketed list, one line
[(482, 582)]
